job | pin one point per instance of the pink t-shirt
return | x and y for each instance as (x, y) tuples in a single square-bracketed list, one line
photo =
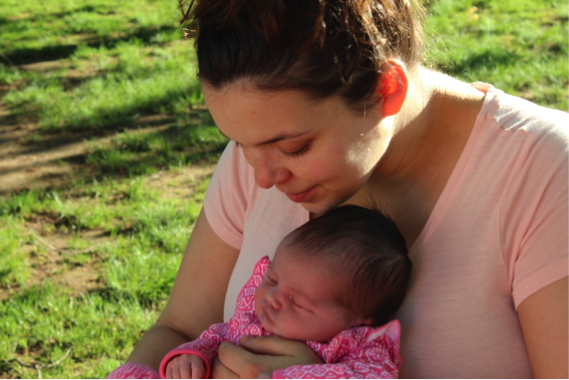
[(498, 233)]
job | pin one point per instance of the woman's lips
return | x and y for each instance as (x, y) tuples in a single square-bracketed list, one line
[(300, 197)]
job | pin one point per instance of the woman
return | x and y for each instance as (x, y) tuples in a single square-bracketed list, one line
[(327, 103)]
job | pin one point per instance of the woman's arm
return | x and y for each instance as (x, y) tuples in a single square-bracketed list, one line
[(197, 298), (544, 318)]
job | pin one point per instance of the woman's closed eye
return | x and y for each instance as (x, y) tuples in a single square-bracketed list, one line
[(297, 152)]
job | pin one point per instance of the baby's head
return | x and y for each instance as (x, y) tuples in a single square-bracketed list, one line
[(346, 268)]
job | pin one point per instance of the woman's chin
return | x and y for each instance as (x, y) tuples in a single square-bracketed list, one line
[(320, 208)]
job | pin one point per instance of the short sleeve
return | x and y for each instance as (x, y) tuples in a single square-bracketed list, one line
[(535, 215), (228, 195)]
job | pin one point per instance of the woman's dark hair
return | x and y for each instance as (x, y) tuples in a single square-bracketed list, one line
[(364, 247), (321, 47)]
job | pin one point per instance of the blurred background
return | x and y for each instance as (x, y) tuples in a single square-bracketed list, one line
[(106, 150)]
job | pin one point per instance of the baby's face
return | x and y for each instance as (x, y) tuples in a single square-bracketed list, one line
[(295, 300)]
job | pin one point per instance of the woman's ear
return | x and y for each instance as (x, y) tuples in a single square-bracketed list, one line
[(393, 86)]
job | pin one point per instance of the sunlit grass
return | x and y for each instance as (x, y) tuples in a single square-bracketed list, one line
[(137, 153), (131, 80), (521, 47), (41, 323), (56, 27), (13, 268), (146, 235)]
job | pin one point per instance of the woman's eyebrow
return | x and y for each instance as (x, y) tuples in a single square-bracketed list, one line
[(284, 136)]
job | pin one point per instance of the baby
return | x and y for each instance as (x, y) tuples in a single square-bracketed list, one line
[(329, 281)]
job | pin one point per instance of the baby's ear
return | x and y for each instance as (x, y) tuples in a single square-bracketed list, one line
[(363, 322)]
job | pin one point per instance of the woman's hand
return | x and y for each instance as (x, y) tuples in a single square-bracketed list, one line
[(261, 355)]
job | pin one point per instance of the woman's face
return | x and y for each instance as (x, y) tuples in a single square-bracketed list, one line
[(319, 154)]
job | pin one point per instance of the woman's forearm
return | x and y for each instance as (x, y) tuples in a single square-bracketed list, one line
[(197, 298), (155, 344)]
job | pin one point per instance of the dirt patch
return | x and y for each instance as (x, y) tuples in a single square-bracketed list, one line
[(31, 160), (28, 160), (179, 183), (51, 258)]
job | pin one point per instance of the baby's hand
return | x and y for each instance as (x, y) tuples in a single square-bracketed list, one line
[(185, 367)]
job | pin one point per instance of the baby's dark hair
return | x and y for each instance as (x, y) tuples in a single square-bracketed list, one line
[(364, 247)]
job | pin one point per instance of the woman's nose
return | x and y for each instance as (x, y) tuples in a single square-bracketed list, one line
[(268, 171), (266, 176)]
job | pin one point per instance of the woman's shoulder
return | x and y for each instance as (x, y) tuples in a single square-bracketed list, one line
[(232, 165), (515, 114), (230, 194)]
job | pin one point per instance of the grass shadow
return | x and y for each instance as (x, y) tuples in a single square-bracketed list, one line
[(143, 150), (26, 56), (487, 59), (134, 153)]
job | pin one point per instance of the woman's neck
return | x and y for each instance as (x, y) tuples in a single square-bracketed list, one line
[(429, 136), (436, 118)]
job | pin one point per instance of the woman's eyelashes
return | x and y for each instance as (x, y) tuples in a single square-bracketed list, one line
[(294, 153), (298, 152)]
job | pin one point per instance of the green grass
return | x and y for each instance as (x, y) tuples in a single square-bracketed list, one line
[(125, 222), (89, 264), (145, 235), (521, 47), (13, 270), (44, 323), (130, 78), (116, 60), (143, 153)]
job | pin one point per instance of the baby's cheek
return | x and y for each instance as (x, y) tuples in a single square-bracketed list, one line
[(259, 294), (290, 326)]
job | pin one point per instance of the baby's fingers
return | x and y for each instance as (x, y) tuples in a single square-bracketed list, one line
[(186, 370), (185, 367), (197, 372), (173, 369)]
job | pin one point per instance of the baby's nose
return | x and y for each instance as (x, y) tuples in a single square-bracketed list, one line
[(273, 300)]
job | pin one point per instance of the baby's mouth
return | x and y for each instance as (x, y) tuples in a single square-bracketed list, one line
[(266, 316)]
